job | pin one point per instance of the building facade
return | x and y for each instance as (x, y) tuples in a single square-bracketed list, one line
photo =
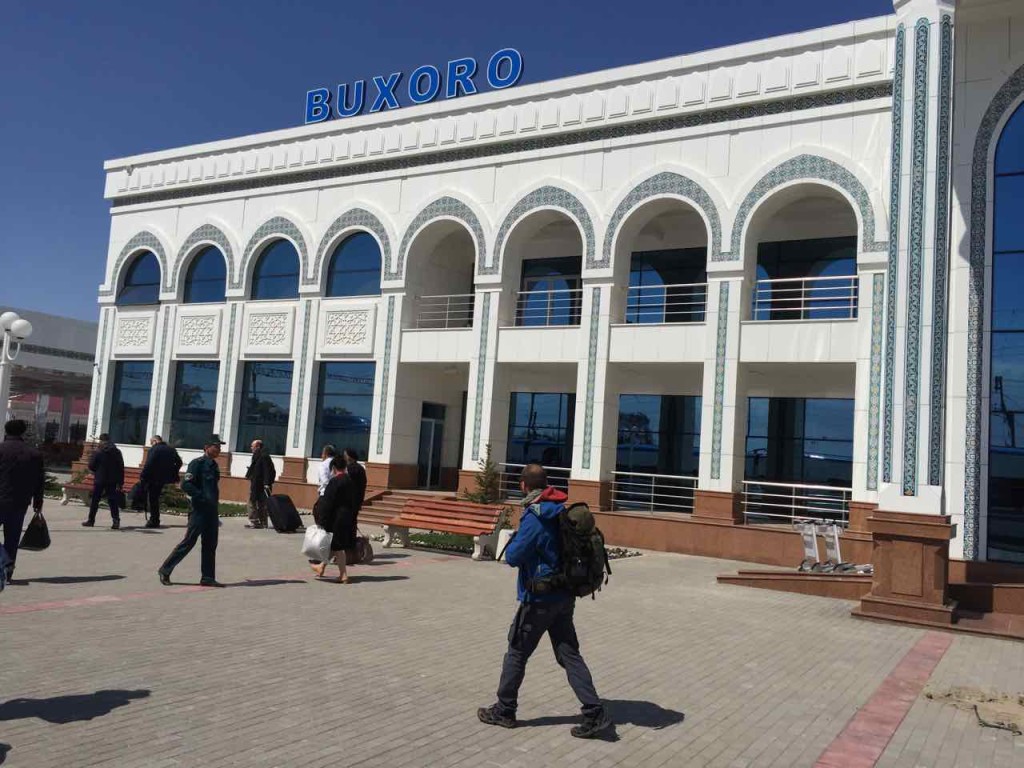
[(734, 288)]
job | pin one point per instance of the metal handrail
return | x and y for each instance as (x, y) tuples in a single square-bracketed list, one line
[(677, 303), (806, 298), (547, 308), (558, 477), (445, 311), (643, 491), (795, 502)]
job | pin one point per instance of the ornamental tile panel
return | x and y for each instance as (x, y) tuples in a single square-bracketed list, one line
[(481, 373), (386, 375), (875, 378), (719, 405), (301, 391), (588, 421)]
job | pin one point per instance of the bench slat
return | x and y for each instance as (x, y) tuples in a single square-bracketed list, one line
[(420, 520)]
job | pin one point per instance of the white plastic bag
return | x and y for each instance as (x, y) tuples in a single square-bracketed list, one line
[(316, 544)]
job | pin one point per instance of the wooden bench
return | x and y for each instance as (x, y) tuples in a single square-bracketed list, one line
[(82, 490), (481, 521)]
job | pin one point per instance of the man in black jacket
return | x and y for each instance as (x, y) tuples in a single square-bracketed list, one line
[(107, 467), (162, 466), (261, 475), (358, 475), (21, 481)]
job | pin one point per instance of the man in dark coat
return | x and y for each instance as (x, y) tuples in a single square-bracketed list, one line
[(21, 481), (261, 475), (107, 467), (162, 466), (358, 475)]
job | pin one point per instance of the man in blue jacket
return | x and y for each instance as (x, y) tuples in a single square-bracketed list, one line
[(535, 551)]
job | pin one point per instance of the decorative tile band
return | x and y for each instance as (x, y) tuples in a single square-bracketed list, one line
[(939, 288), (912, 374), (229, 371), (723, 328), (207, 233), (158, 382), (657, 125), (481, 373), (981, 174), (445, 207), (895, 176), (545, 197), (100, 366), (875, 380), (276, 226), (357, 218), (300, 393), (588, 421), (143, 241), (383, 404)]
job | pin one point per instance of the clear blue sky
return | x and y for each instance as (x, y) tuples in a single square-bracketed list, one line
[(84, 82)]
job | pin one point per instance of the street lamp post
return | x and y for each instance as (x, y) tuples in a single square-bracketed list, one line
[(15, 330)]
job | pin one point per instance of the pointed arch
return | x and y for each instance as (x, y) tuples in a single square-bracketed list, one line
[(356, 218), (205, 234), (141, 241), (446, 207), (280, 227)]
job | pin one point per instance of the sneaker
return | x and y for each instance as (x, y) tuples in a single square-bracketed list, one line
[(495, 715), (88, 523), (209, 583), (116, 525), (592, 726), (165, 578)]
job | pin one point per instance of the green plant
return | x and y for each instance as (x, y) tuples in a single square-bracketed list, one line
[(488, 481)]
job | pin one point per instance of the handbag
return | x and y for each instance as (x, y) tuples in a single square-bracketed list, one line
[(37, 534), (316, 544)]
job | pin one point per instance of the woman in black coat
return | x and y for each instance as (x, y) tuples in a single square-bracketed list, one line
[(334, 513)]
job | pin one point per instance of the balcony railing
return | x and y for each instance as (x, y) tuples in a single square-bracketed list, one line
[(558, 477), (682, 303), (792, 503), (806, 298), (444, 312), (549, 308), (642, 492)]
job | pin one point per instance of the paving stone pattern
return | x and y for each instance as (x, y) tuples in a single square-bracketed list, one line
[(281, 670)]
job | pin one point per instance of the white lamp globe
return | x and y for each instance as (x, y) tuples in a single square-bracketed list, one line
[(21, 328), (7, 319)]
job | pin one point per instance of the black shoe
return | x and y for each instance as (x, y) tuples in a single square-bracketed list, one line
[(254, 525), (116, 525), (165, 578), (151, 524), (495, 715), (209, 583), (88, 523), (593, 725)]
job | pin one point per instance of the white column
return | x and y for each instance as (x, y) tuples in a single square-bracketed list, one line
[(384, 431), (592, 410), (484, 400), (102, 372), (162, 395), (302, 419), (867, 385), (229, 383)]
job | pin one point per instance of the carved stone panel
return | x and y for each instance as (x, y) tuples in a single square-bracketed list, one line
[(346, 328), (198, 332), (269, 330), (134, 334)]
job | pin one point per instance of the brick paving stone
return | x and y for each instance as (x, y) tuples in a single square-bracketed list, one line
[(281, 670)]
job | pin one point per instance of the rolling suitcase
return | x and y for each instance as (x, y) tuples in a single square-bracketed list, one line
[(282, 513)]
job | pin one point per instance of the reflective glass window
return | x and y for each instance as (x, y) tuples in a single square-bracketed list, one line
[(277, 272), (265, 406), (549, 292), (659, 434), (667, 286), (344, 406), (790, 298), (207, 277), (129, 401), (194, 403), (540, 428), (355, 267), (141, 281), (1010, 149)]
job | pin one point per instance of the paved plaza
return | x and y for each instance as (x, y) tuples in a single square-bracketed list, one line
[(101, 666)]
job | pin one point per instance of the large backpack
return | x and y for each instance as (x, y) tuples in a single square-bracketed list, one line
[(584, 561)]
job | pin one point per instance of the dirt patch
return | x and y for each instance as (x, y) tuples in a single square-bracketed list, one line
[(993, 710)]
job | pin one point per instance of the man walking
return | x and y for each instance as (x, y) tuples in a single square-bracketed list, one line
[(261, 475), (324, 473), (21, 481), (358, 475), (162, 466), (534, 550), (107, 467), (201, 483)]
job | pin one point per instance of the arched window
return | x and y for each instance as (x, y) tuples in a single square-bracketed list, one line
[(141, 282), (276, 275), (355, 267), (1006, 416), (207, 277)]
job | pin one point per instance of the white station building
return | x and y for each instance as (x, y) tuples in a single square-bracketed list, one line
[(714, 293)]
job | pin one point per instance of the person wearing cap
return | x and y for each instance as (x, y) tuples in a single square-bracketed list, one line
[(107, 467), (201, 483)]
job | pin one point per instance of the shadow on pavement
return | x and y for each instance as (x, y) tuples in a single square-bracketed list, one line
[(69, 709), (644, 714), (4, 749), (74, 579), (264, 582), (389, 556), (356, 578)]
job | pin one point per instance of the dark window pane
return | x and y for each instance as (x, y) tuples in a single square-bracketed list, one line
[(344, 406), (1009, 214), (265, 406), (549, 292), (1007, 296), (129, 409), (207, 277), (541, 428), (1010, 150), (830, 257), (659, 434), (141, 282), (355, 267), (194, 404), (277, 272)]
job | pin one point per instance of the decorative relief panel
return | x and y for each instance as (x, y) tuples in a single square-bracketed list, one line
[(134, 334), (198, 332), (268, 331), (347, 329)]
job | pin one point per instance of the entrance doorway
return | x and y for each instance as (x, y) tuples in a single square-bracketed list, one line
[(431, 445)]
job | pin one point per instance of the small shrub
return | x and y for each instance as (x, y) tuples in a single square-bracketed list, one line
[(488, 481)]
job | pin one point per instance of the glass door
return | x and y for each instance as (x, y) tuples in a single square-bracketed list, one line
[(431, 445)]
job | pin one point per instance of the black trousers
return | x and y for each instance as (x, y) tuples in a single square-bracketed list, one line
[(531, 622), (13, 521), (99, 491), (153, 491), (206, 526)]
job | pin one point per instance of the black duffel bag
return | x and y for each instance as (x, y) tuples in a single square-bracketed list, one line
[(37, 534), (137, 497)]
